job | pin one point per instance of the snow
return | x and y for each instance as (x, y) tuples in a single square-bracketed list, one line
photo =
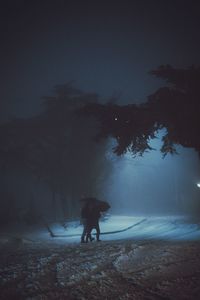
[(157, 258), (165, 227), (115, 227)]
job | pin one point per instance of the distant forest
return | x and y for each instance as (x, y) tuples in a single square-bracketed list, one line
[(63, 148)]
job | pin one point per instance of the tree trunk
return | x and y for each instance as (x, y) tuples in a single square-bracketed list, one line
[(54, 208), (63, 206)]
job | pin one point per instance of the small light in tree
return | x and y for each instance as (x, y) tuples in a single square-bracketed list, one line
[(116, 118), (198, 184)]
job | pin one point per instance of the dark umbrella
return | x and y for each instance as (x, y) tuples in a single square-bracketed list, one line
[(102, 205), (99, 204)]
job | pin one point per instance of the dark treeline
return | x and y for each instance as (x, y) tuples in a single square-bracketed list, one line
[(55, 152)]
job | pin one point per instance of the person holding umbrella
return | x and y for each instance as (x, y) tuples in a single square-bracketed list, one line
[(96, 208), (90, 214), (85, 217)]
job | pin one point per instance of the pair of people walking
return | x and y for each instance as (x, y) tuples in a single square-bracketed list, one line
[(90, 215)]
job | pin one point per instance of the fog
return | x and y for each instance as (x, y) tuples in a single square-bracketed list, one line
[(147, 185), (154, 185)]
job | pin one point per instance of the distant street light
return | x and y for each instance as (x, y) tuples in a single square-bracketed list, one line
[(198, 184)]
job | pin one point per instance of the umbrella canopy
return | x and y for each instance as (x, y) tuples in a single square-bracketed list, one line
[(102, 205)]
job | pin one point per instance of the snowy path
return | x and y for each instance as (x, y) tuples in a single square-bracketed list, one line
[(169, 228), (174, 228), (130, 227)]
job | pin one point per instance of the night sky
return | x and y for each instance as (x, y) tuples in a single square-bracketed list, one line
[(104, 46), (49, 163)]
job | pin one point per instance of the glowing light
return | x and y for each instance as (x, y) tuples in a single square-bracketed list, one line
[(198, 184), (116, 118)]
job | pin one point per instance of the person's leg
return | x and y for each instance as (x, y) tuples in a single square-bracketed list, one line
[(84, 232), (98, 231)]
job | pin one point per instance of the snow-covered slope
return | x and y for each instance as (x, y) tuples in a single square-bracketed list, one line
[(124, 227), (113, 228)]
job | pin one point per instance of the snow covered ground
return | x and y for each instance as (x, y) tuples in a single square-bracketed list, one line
[(114, 227), (146, 258)]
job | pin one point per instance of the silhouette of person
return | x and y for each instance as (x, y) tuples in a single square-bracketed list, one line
[(93, 222), (85, 218)]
